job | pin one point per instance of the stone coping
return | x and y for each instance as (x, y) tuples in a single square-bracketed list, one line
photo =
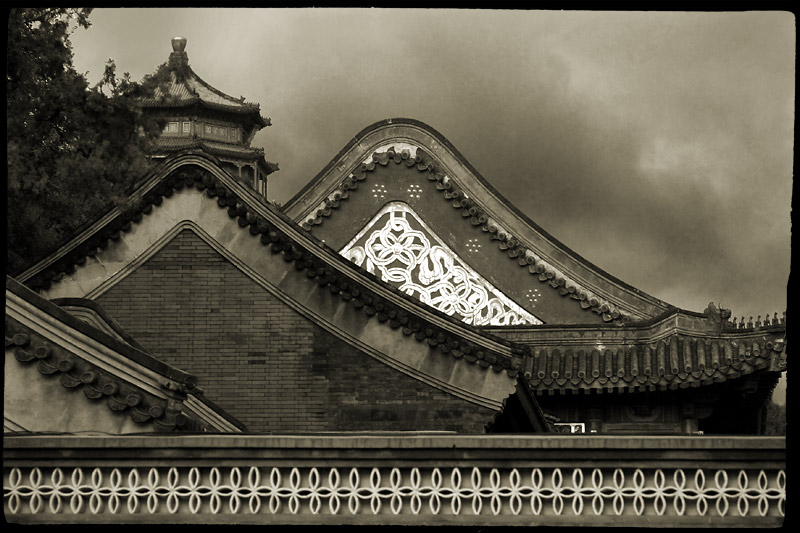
[(400, 440)]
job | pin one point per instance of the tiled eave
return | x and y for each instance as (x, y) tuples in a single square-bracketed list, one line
[(679, 350), (175, 102), (167, 146), (151, 392)]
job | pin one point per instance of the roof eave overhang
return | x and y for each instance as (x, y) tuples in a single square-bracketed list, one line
[(252, 114), (124, 350), (499, 353)]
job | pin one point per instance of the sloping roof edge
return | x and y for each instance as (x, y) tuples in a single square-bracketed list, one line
[(134, 354), (129, 381), (363, 145), (112, 213), (74, 305)]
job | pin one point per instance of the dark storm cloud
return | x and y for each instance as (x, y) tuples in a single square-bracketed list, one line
[(658, 146)]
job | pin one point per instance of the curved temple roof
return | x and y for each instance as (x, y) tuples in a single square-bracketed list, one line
[(179, 86), (674, 349), (415, 145)]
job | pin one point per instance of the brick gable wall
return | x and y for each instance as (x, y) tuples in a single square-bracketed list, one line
[(263, 362)]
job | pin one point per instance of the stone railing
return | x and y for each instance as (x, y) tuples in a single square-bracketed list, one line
[(397, 479)]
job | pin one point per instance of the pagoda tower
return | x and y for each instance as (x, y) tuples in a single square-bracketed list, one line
[(201, 118)]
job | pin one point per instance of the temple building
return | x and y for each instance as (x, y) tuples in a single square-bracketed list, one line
[(199, 116), (397, 344)]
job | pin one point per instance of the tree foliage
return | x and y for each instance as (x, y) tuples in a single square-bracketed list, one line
[(72, 149)]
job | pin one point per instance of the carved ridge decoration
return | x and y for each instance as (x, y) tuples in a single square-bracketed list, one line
[(96, 384), (552, 495), (421, 265), (470, 211), (673, 363)]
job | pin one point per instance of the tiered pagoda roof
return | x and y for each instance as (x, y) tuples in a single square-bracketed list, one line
[(177, 91)]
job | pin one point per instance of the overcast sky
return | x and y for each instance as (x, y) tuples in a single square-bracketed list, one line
[(656, 145)]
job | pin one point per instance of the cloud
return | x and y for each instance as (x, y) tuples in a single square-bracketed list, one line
[(656, 145)]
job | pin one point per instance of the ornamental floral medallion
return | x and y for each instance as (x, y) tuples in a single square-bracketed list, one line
[(397, 246)]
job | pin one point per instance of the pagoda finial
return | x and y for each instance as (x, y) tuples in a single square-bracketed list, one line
[(178, 44), (178, 58)]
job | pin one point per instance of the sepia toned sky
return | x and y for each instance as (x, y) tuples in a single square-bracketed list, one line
[(658, 146)]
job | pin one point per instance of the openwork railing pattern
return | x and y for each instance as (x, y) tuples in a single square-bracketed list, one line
[(454, 492)]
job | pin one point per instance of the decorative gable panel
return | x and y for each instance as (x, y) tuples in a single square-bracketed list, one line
[(397, 246)]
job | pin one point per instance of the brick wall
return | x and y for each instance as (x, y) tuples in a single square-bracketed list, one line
[(263, 362)]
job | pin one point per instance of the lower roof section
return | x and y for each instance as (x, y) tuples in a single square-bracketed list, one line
[(69, 353), (675, 351)]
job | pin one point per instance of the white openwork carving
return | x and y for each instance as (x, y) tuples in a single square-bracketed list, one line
[(399, 247), (550, 492)]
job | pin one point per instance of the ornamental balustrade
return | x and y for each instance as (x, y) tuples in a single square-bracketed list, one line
[(417, 479)]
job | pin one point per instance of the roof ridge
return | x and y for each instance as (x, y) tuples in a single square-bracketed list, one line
[(239, 101), (441, 140), (471, 212)]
